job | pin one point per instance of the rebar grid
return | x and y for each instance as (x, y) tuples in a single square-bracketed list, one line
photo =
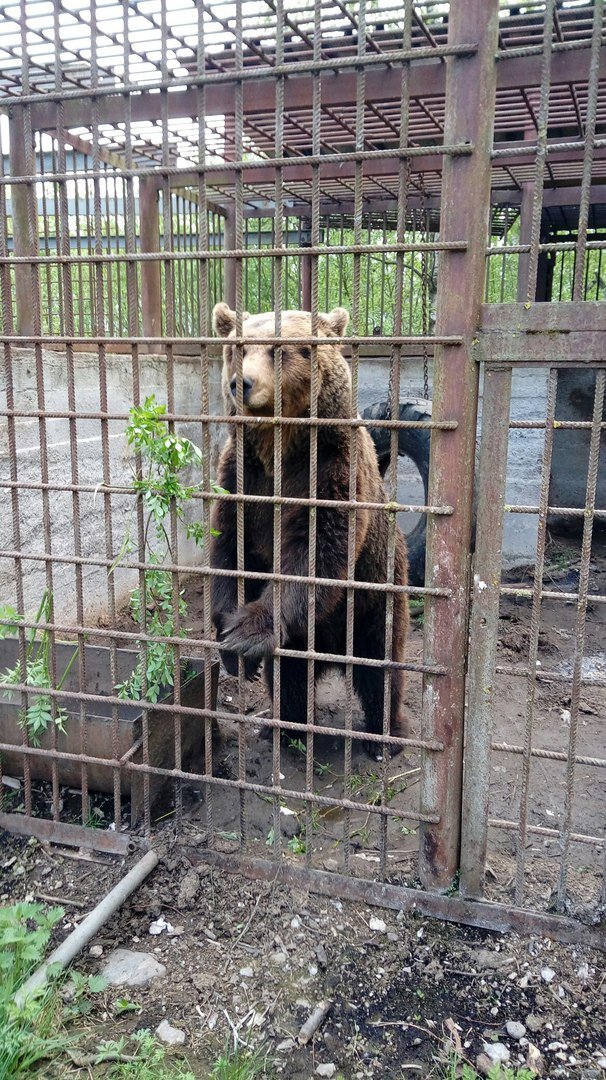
[(147, 220)]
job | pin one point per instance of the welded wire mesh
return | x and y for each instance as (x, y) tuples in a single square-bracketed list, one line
[(282, 156)]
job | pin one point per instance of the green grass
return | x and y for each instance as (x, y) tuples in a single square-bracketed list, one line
[(45, 1037)]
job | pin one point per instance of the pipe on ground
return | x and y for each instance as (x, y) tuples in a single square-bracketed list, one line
[(82, 934)]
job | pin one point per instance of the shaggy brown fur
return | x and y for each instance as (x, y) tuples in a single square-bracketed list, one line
[(249, 631)]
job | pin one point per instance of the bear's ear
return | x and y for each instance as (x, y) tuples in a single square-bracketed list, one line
[(224, 320), (335, 322)]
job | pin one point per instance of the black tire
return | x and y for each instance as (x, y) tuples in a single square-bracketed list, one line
[(414, 444)]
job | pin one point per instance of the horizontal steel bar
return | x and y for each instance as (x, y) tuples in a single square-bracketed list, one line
[(207, 571), (104, 340), (242, 421), (272, 500), (242, 75), (502, 918), (548, 594), (60, 832), (222, 254), (227, 169), (570, 45), (563, 511), (338, 88), (540, 830), (523, 249), (220, 781), (566, 425), (550, 755), (545, 675), (524, 148)]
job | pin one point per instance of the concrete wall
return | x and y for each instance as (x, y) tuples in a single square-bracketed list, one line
[(529, 394), (529, 397), (187, 383)]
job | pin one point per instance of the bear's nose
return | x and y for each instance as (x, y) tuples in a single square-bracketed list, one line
[(247, 385)]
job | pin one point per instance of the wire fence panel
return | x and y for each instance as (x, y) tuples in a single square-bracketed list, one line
[(239, 248)]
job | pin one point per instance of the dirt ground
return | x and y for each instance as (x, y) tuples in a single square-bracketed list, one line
[(256, 958)]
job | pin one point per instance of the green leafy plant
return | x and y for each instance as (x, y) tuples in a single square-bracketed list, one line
[(240, 1064), (297, 845), (163, 458), (28, 1034), (41, 713)]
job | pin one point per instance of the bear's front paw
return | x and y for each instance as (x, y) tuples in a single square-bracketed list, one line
[(230, 659), (249, 633)]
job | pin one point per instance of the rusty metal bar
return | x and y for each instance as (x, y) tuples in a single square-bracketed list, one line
[(484, 626), (25, 240), (60, 832), (151, 285), (534, 637), (470, 97), (338, 89), (502, 918), (579, 644)]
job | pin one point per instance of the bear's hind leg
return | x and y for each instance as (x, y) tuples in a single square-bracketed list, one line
[(293, 693)]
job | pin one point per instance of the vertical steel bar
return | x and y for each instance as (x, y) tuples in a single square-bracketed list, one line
[(579, 642), (277, 514), (470, 104), (543, 122), (484, 625), (535, 624), (204, 306), (578, 292), (236, 263), (151, 276), (24, 237), (62, 233), (99, 328)]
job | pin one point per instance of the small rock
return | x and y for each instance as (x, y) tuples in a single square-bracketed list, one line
[(331, 865), (381, 928), (285, 1046), (171, 1035), (555, 1045), (95, 950), (329, 1069), (583, 972), (534, 1060), (487, 960), (246, 972), (279, 958), (295, 924), (124, 967), (497, 1052), (392, 937), (515, 1030), (547, 974), (203, 981), (321, 955), (188, 889), (484, 1065), (534, 1023)]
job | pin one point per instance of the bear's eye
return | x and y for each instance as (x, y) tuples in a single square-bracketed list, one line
[(305, 352)]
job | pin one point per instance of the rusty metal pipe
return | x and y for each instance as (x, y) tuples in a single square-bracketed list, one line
[(69, 949)]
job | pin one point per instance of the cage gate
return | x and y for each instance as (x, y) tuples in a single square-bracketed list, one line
[(437, 169)]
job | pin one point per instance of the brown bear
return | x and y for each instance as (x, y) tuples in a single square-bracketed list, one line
[(249, 631)]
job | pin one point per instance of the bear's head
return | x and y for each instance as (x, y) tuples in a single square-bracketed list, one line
[(258, 371)]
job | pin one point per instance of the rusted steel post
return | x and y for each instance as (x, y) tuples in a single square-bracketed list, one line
[(470, 102), (484, 625), (229, 284), (151, 280), (25, 222), (306, 261)]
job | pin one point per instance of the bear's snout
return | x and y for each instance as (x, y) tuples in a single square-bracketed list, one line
[(247, 387)]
